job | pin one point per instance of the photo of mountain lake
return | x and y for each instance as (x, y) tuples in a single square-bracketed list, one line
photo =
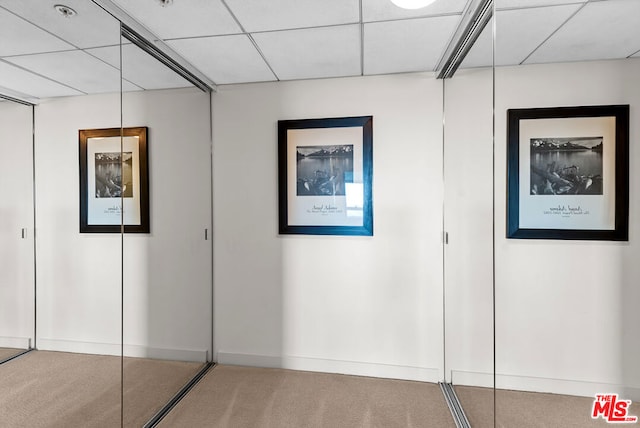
[(323, 170), (114, 178), (566, 166)]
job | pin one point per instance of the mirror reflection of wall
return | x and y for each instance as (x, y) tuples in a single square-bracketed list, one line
[(17, 287), (552, 298), (167, 273), (122, 320), (565, 326)]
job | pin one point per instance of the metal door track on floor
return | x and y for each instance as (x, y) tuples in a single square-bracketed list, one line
[(454, 405), (154, 421), (13, 357)]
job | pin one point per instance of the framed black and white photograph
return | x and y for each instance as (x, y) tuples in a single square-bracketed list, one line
[(325, 174), (568, 173), (114, 180)]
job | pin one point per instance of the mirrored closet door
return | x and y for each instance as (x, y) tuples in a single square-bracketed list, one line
[(48, 56), (115, 303), (17, 287), (167, 295), (468, 221), (567, 96)]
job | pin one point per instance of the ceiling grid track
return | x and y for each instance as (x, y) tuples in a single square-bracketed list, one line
[(75, 48), (40, 28), (251, 39), (361, 39), (415, 18), (634, 54), (311, 27), (43, 76), (264, 58), (63, 51), (553, 33), (541, 6)]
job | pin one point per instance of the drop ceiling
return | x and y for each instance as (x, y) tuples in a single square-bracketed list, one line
[(44, 54)]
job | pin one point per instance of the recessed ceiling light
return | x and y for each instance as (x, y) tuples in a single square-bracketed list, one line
[(165, 3), (65, 11), (412, 4)]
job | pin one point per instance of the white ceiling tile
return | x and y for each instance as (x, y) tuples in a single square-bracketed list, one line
[(261, 15), (140, 68), (31, 84), (404, 46), (224, 59), (91, 27), (19, 37), (601, 30), (192, 18), (313, 52), (520, 31), (384, 10), (73, 68), (516, 4)]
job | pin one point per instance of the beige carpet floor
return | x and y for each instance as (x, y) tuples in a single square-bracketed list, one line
[(517, 409), (53, 389), (9, 352), (56, 389), (230, 396)]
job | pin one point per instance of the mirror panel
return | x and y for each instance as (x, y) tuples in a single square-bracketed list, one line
[(167, 272), (566, 324), (17, 287), (468, 216), (72, 377)]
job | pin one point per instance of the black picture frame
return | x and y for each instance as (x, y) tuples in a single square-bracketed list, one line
[(568, 212), (332, 200), (118, 151)]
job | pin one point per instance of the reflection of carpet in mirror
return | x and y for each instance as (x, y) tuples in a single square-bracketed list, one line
[(9, 352), (518, 409), (58, 389)]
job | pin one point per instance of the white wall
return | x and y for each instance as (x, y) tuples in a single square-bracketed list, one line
[(174, 262), (568, 328), (361, 305), (16, 213), (167, 273)]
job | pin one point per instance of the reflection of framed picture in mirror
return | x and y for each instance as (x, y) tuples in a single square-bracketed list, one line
[(114, 180), (568, 173), (325, 170)]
